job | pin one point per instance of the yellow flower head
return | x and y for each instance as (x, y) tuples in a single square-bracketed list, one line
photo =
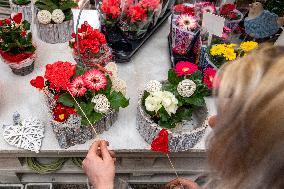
[(248, 46), (230, 54), (217, 49)]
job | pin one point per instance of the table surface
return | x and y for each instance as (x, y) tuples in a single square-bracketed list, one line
[(151, 62)]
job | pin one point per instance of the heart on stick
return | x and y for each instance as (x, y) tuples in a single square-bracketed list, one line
[(38, 82), (161, 143)]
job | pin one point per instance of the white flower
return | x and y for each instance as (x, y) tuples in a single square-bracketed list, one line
[(58, 16), (153, 86), (112, 68), (156, 100), (102, 104), (186, 88), (153, 103), (44, 17), (169, 102), (119, 85)]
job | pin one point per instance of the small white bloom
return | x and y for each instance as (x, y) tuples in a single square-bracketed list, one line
[(102, 104), (169, 102), (44, 16), (153, 86), (112, 68), (153, 103), (119, 85), (58, 16), (186, 88)]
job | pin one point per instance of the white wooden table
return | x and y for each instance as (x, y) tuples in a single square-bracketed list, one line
[(136, 163)]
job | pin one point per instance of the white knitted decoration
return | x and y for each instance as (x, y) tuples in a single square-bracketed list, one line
[(153, 86), (186, 88), (26, 134), (44, 17), (57, 16)]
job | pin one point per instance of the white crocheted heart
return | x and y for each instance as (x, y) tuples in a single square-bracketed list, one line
[(28, 134)]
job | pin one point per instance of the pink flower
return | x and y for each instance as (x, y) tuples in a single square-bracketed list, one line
[(186, 22), (95, 80), (185, 68), (209, 75), (77, 87)]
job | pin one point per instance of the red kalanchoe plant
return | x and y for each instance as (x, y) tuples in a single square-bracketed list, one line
[(110, 10), (15, 40), (228, 11), (184, 68), (150, 4), (58, 74), (208, 79)]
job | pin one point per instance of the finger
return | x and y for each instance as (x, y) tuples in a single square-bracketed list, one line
[(112, 154), (212, 121), (173, 183), (93, 151), (105, 153)]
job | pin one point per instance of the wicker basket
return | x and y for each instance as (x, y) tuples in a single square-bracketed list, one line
[(54, 33), (185, 136), (71, 132), (26, 10)]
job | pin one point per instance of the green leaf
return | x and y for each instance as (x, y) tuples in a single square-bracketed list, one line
[(26, 25), (183, 113), (173, 78), (68, 5), (117, 100), (165, 119), (85, 109), (80, 70), (67, 100), (95, 117), (196, 75), (195, 100)]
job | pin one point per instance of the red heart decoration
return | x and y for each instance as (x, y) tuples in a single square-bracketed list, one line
[(161, 143), (38, 82)]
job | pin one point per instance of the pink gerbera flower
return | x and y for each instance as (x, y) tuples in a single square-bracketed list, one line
[(187, 22), (209, 75), (185, 68), (77, 87), (95, 80), (209, 8)]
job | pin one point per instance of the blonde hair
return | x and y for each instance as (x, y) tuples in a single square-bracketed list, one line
[(246, 148)]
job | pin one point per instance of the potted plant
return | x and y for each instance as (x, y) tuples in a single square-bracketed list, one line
[(54, 20), (93, 49), (177, 105), (231, 14), (110, 12), (137, 17), (16, 47), (82, 102), (23, 6)]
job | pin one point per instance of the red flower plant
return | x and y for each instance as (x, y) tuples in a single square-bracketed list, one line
[(95, 80), (209, 75), (111, 8), (77, 87), (58, 74), (184, 68), (38, 82), (136, 13), (89, 39), (18, 18), (62, 113), (184, 9), (150, 4), (7, 21), (227, 8)]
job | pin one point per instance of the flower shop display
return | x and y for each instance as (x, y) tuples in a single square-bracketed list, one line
[(176, 105), (232, 15), (93, 49), (82, 102), (16, 47), (137, 17), (54, 20), (260, 23), (22, 6), (110, 12), (24, 133), (215, 56)]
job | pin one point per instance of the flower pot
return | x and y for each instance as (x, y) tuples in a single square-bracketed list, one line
[(233, 24), (181, 39), (54, 33), (90, 60), (204, 59), (185, 136), (20, 67), (26, 10), (71, 132)]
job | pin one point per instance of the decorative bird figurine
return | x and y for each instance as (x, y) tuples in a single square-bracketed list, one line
[(261, 23)]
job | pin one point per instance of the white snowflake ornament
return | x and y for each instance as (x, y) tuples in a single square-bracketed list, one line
[(44, 17), (26, 134)]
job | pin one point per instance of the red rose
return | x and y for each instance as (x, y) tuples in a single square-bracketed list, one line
[(227, 8), (38, 82), (17, 18), (8, 21)]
